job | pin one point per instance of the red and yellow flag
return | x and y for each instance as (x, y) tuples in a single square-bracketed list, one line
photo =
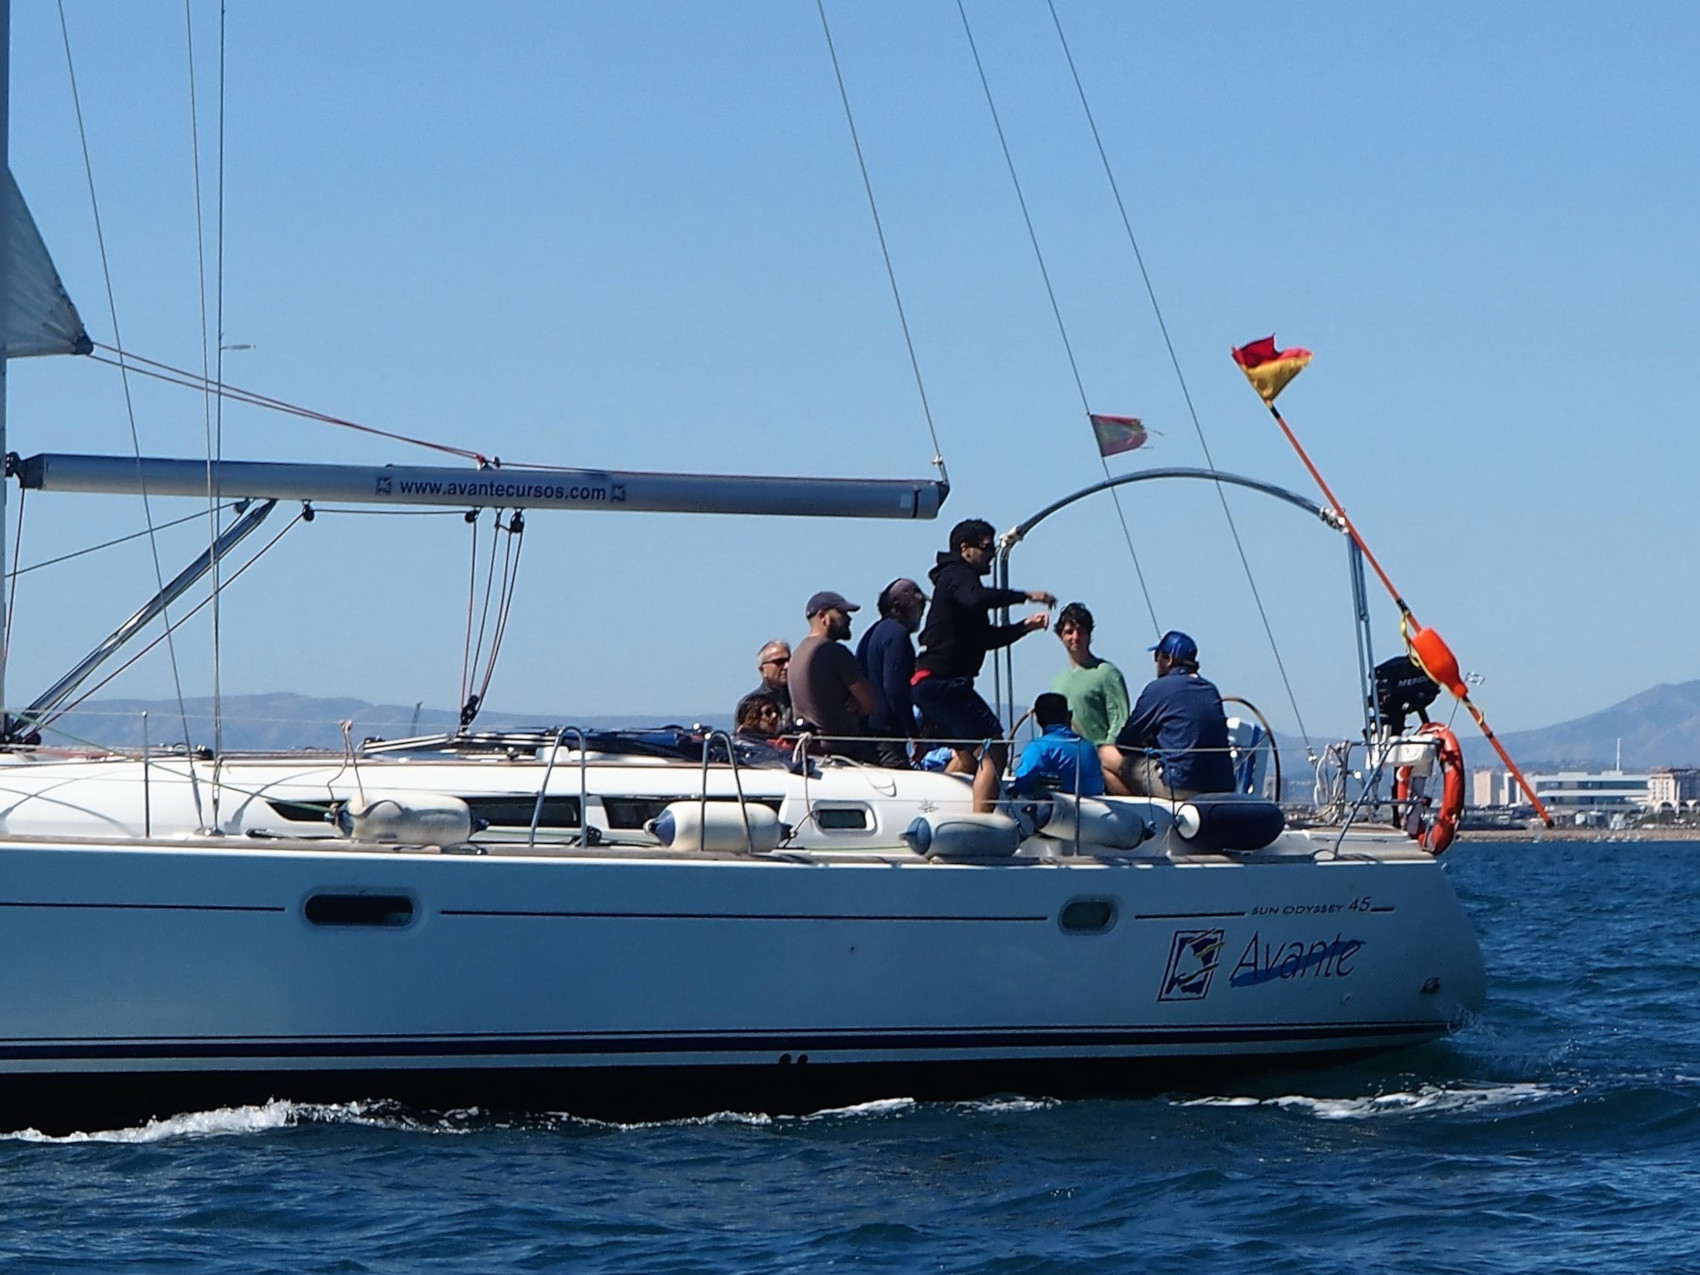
[(1269, 369), (1117, 434)]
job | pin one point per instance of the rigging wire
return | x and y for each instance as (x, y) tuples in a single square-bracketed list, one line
[(1174, 359), (189, 380), (505, 602), (124, 376), (165, 637), (885, 251), (471, 604), (473, 699), (1056, 309), (134, 535), (12, 591)]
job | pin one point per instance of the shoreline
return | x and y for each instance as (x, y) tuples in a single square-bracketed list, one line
[(1579, 834)]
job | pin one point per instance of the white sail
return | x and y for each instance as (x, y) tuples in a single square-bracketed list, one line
[(40, 318)]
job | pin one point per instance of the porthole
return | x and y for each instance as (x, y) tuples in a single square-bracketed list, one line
[(379, 911), (1087, 916), (842, 818)]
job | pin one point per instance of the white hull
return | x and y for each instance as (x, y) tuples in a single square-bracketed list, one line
[(630, 979)]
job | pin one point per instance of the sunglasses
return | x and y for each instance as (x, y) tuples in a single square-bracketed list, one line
[(780, 662)]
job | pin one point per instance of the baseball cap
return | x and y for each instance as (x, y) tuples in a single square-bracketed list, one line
[(1177, 646), (826, 600)]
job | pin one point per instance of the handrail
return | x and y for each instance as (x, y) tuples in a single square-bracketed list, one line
[(737, 783), (583, 786)]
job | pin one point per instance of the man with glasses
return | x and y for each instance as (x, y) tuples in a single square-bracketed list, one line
[(958, 633), (774, 664)]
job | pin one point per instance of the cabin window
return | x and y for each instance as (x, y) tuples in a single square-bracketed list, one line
[(516, 812), (380, 911), (634, 812), (1087, 916), (300, 811), (843, 818)]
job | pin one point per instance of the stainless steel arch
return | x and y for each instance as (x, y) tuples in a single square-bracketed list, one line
[(1003, 666), (1012, 538)]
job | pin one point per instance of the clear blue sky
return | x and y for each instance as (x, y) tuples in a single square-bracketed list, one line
[(633, 235)]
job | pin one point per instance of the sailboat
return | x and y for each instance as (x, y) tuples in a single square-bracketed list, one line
[(647, 923)]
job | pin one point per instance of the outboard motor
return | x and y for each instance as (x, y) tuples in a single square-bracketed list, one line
[(1402, 688)]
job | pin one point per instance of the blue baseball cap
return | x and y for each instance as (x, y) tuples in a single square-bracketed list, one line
[(1177, 646)]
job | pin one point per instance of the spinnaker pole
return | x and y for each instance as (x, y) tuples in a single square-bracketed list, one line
[(1269, 370)]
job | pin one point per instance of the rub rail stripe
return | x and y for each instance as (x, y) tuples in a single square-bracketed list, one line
[(432, 1047)]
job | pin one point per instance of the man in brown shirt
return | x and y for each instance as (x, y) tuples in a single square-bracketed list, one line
[(829, 691)]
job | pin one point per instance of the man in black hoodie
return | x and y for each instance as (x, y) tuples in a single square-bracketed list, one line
[(957, 635)]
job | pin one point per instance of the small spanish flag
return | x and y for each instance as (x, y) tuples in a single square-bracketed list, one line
[(1269, 369), (1118, 434)]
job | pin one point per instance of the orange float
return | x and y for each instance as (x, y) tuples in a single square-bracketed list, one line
[(1437, 832)]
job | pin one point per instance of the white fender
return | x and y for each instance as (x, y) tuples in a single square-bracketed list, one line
[(1115, 825), (683, 826), (411, 818)]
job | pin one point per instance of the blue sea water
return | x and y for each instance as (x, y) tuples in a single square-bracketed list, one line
[(1559, 1133)]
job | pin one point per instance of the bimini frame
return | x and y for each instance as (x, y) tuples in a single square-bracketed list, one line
[(1003, 664)]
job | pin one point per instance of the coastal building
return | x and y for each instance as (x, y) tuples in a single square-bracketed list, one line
[(1492, 788), (1673, 788), (1585, 796)]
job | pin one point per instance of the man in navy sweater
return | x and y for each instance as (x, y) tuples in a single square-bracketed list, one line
[(958, 633), (1175, 743), (887, 656)]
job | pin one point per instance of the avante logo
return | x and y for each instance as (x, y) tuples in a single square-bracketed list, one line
[(618, 492), (1193, 957), (383, 485), (1264, 962)]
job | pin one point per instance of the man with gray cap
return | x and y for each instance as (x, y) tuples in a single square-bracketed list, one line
[(829, 691), (887, 656), (1175, 743)]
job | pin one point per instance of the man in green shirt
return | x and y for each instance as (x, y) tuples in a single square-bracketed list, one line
[(1096, 694)]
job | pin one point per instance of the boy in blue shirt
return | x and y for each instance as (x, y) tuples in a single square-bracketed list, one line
[(1059, 760)]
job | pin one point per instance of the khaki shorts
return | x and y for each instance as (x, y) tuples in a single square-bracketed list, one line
[(1144, 778)]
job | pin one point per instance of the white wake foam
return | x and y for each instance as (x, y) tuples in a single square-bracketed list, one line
[(262, 1118), (1424, 1100), (1002, 1106), (221, 1122)]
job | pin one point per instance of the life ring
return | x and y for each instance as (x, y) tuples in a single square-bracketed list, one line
[(1435, 834)]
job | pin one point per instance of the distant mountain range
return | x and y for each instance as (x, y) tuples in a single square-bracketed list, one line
[(285, 721), (1658, 727)]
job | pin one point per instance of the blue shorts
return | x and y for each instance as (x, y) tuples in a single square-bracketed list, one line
[(953, 710)]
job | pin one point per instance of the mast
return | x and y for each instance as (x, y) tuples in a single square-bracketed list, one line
[(5, 292)]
